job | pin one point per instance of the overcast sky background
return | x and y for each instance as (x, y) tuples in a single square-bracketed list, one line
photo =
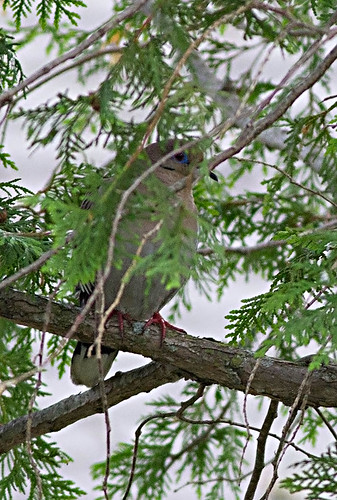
[(85, 440)]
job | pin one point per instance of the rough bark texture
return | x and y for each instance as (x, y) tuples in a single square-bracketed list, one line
[(70, 410), (202, 358), (181, 355)]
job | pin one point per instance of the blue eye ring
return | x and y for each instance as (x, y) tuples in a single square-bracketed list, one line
[(182, 158)]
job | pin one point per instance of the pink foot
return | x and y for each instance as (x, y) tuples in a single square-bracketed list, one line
[(121, 317), (159, 320)]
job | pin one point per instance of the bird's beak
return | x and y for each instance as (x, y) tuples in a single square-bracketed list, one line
[(213, 176)]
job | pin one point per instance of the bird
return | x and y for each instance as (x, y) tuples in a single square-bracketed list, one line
[(142, 299)]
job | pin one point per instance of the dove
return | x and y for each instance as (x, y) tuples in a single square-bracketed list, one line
[(142, 299)]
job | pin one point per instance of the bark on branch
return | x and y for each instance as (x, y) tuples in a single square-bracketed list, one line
[(202, 359), (70, 410)]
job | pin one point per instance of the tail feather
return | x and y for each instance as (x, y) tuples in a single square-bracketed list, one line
[(85, 368)]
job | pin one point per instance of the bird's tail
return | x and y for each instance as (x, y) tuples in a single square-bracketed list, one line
[(85, 366)]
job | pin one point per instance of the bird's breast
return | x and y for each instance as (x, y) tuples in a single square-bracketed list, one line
[(145, 292)]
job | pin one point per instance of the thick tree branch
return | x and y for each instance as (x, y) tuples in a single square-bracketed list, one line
[(201, 359), (70, 410)]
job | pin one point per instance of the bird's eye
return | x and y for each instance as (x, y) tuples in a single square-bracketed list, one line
[(182, 157)]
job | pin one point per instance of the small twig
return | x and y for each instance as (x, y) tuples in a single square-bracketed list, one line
[(268, 244), (246, 250), (19, 378), (290, 178), (4, 118), (102, 51), (327, 423), (99, 310), (41, 234), (178, 414), (298, 405), (220, 420), (317, 296), (186, 404), (214, 480), (248, 385), (35, 393), (202, 437), (107, 439), (260, 450), (136, 445)]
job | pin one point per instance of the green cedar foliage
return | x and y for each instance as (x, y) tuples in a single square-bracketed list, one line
[(292, 206), (45, 9), (10, 67), (18, 475), (317, 477), (180, 449)]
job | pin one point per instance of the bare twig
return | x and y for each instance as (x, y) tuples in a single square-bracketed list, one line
[(35, 393), (291, 179), (102, 51), (215, 480), (247, 389), (246, 250), (242, 425), (317, 296), (268, 244), (136, 445), (202, 437), (186, 404), (260, 450), (327, 423), (99, 309), (298, 405), (177, 414)]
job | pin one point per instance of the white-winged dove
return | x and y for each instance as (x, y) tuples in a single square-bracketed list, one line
[(136, 301)]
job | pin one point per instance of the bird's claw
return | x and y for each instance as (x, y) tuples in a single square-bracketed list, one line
[(159, 320)]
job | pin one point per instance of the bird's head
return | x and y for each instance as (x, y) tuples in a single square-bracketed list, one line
[(179, 165)]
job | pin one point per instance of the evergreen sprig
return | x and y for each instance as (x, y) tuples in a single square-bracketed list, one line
[(317, 477), (10, 68), (20, 476), (45, 9)]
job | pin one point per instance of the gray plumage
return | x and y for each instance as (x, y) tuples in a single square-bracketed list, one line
[(136, 301)]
